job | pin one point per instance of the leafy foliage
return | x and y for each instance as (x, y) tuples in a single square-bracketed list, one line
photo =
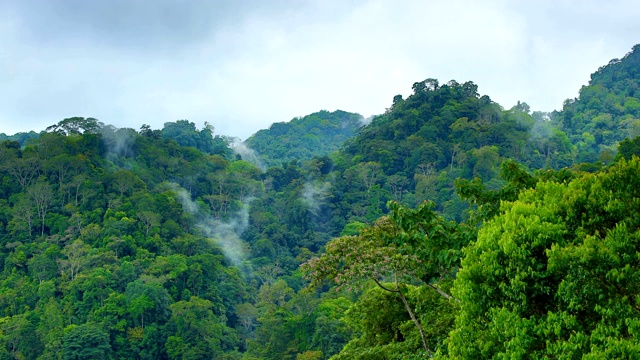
[(161, 244), (102, 250), (406, 246), (186, 134), (628, 148), (554, 275), (315, 135), (607, 110)]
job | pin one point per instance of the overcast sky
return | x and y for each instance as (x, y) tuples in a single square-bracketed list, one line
[(242, 65)]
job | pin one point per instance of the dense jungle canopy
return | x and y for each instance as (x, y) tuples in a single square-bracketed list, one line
[(448, 227)]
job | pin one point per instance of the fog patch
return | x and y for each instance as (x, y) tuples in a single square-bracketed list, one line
[(225, 234), (542, 127), (366, 121), (118, 141), (314, 195), (246, 153)]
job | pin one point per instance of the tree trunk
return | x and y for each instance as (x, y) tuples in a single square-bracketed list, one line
[(444, 294), (411, 314), (416, 322)]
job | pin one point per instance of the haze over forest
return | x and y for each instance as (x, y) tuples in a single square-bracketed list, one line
[(243, 66), (449, 227), (463, 219)]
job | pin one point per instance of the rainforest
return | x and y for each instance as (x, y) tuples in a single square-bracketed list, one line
[(448, 227)]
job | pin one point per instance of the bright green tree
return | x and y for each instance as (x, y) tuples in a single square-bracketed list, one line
[(407, 246), (555, 275)]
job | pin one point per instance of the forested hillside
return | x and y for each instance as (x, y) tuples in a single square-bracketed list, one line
[(301, 139), (607, 110), (106, 255), (443, 132), (449, 227), (21, 138)]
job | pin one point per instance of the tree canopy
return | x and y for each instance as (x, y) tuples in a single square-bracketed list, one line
[(448, 227)]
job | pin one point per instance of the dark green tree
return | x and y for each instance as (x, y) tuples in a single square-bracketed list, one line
[(86, 341)]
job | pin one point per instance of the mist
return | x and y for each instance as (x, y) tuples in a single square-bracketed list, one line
[(225, 234), (366, 121), (247, 154), (315, 194), (118, 141)]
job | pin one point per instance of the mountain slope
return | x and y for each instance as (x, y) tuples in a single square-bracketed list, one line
[(119, 244), (442, 132), (110, 251), (607, 109), (317, 134)]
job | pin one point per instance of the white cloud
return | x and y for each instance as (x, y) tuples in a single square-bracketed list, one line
[(243, 68)]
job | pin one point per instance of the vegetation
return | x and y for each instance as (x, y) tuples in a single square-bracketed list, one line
[(22, 138), (554, 274), (607, 111), (315, 135), (448, 227), (101, 261)]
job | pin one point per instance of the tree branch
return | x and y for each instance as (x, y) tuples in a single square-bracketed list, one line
[(415, 320), (447, 296), (384, 288)]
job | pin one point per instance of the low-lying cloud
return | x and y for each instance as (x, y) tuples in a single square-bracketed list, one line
[(225, 234)]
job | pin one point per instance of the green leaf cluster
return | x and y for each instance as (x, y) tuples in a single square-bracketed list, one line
[(304, 138), (554, 274)]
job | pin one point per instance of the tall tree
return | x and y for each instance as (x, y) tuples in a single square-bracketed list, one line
[(76, 125), (86, 341), (42, 196), (554, 274), (407, 245)]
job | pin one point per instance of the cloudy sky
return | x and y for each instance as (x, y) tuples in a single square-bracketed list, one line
[(242, 65)]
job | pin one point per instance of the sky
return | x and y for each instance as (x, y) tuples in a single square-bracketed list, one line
[(242, 65)]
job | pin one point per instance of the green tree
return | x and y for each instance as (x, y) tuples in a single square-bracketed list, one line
[(198, 331), (76, 125), (24, 214), (407, 245), (554, 275), (628, 148), (247, 314), (148, 299), (17, 334), (24, 169), (42, 196), (51, 329), (86, 341), (76, 259), (43, 266), (331, 331)]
